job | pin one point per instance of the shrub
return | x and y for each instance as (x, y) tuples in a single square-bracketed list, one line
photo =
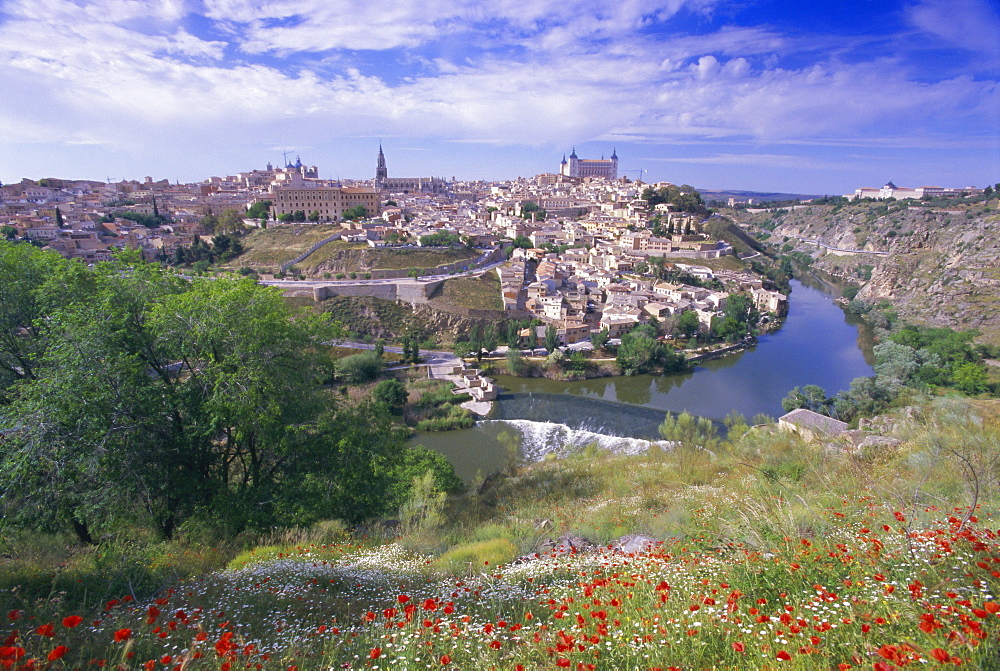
[(361, 367)]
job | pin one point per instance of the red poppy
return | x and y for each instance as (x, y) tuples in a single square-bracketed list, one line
[(784, 656), (46, 630), (58, 653), (402, 598), (123, 635), (941, 655), (72, 621), (739, 647), (445, 659), (562, 662), (375, 653)]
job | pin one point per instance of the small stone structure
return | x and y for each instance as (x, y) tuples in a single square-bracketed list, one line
[(811, 425)]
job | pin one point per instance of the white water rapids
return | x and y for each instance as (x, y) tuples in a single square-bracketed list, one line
[(541, 438)]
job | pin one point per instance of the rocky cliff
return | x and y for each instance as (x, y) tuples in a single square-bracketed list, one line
[(940, 262)]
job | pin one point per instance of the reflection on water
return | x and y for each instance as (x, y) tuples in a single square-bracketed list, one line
[(818, 344)]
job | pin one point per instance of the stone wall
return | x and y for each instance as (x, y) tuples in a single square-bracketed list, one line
[(411, 291)]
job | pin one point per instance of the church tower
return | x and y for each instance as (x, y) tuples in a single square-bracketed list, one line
[(381, 172)]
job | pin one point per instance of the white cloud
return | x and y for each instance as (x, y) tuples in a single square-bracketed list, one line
[(119, 73), (973, 25)]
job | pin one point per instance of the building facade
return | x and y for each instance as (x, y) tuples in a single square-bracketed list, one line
[(594, 168), (386, 184), (330, 201)]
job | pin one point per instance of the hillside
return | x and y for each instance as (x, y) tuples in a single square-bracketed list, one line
[(943, 262), (762, 552), (271, 247), (344, 257), (267, 249)]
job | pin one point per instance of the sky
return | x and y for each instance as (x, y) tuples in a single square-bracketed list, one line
[(765, 95)]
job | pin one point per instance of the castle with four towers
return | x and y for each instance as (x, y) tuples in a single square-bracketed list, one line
[(601, 168)]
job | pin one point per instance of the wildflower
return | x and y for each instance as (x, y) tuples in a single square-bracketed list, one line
[(445, 660), (58, 653), (72, 621), (940, 655), (46, 630), (783, 656), (738, 646), (123, 635), (375, 653)]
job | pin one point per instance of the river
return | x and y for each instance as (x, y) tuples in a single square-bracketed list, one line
[(818, 344)]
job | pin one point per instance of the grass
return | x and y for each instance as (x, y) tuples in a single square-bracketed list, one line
[(775, 554), (280, 244), (478, 293), (358, 257)]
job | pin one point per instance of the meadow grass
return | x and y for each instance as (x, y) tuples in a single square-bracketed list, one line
[(775, 553)]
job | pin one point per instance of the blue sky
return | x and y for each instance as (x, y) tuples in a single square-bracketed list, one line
[(774, 95)]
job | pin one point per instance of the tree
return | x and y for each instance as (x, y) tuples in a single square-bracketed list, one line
[(523, 241), (439, 239), (392, 394), (551, 338), (970, 378), (600, 339), (158, 399), (687, 324), (810, 397), (531, 210), (8, 232), (231, 221), (59, 219), (356, 212), (361, 367), (516, 365), (638, 353), (259, 209)]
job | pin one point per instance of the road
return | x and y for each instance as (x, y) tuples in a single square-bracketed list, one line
[(396, 280), (430, 357)]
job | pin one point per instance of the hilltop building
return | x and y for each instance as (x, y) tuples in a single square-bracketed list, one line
[(330, 201), (595, 168), (890, 190), (386, 184)]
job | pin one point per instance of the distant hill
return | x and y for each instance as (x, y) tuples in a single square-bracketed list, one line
[(709, 194)]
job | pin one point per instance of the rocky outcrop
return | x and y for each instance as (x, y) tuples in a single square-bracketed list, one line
[(631, 544), (943, 261)]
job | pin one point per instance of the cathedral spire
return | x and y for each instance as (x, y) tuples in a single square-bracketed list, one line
[(381, 172)]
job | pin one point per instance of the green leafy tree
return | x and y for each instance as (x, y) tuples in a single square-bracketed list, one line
[(687, 324), (259, 209), (600, 339), (392, 394), (810, 397), (354, 213), (231, 221), (158, 399), (638, 353), (8, 232), (362, 367), (970, 378), (551, 338)]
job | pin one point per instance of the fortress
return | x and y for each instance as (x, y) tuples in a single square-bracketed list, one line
[(599, 168)]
